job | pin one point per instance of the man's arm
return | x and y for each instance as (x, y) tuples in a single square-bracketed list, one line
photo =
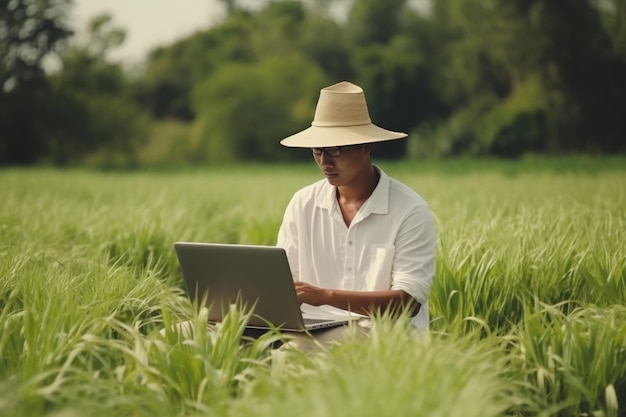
[(392, 302)]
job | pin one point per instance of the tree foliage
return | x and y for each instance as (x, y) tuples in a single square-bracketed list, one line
[(481, 78), (493, 53), (98, 118), (29, 31), (171, 72), (238, 105)]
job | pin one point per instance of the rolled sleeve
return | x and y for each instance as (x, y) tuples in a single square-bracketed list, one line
[(414, 264)]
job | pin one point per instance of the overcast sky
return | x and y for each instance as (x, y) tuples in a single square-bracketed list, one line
[(149, 23)]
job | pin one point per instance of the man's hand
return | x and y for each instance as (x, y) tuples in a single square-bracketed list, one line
[(311, 294)]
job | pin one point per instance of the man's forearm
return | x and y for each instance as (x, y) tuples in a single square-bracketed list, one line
[(392, 302)]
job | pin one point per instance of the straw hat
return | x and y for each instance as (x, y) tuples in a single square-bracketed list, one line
[(341, 118)]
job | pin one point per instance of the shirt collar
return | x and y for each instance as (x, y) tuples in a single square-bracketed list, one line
[(377, 203)]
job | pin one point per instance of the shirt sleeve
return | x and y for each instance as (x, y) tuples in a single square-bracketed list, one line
[(414, 261), (288, 237)]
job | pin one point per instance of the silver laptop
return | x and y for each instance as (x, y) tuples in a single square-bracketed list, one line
[(253, 276)]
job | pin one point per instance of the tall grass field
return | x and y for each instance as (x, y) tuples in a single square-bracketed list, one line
[(528, 307)]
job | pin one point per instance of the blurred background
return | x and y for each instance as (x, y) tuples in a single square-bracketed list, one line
[(215, 81)]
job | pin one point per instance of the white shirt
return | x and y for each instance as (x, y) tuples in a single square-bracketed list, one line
[(390, 243)]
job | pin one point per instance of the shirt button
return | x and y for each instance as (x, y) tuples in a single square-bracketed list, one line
[(350, 269), (349, 242)]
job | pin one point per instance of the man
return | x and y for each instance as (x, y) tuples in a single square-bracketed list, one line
[(357, 240)]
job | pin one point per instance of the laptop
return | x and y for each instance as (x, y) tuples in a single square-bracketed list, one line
[(254, 276)]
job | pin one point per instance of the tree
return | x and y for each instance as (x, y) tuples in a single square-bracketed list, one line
[(171, 72), (30, 31), (110, 125), (324, 42), (588, 73), (388, 63), (529, 75), (483, 58), (280, 28), (373, 21), (244, 110)]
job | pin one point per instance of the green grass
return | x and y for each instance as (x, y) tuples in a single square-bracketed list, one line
[(528, 315)]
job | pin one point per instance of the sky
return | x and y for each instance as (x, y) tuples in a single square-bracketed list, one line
[(149, 23)]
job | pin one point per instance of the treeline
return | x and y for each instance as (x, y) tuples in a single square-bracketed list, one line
[(476, 78)]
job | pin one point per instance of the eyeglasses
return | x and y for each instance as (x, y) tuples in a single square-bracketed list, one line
[(334, 151)]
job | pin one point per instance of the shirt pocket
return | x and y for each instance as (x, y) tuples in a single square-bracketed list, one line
[(381, 263)]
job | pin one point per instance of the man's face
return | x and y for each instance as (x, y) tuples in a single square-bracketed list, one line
[(342, 165)]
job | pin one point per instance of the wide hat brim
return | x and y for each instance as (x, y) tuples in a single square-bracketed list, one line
[(341, 119), (324, 136)]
